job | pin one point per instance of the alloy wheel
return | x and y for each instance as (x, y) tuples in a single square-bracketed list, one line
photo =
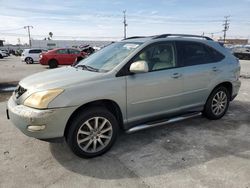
[(219, 103), (29, 61), (94, 134)]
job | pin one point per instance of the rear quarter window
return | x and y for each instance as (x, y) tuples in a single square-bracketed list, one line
[(217, 56)]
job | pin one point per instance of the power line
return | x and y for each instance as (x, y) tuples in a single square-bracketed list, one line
[(211, 33), (61, 36), (16, 29), (28, 29), (226, 27)]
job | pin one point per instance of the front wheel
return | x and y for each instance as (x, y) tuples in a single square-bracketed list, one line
[(53, 63), (92, 133), (217, 103)]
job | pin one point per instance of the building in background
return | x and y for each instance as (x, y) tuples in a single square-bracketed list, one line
[(235, 41), (50, 44)]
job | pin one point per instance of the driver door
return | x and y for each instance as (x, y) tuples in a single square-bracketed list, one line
[(158, 91)]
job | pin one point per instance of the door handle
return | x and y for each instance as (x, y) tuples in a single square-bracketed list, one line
[(176, 75), (215, 69)]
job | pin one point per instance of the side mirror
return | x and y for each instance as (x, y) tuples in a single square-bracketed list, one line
[(139, 67)]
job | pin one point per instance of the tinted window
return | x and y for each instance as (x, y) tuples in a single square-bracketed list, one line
[(217, 56), (62, 51), (158, 56), (73, 51), (35, 51), (194, 53)]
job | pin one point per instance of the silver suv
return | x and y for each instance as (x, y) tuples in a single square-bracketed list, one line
[(133, 84)]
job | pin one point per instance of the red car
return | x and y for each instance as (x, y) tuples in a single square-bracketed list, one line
[(61, 56)]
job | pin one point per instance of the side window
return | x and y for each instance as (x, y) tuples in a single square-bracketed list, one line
[(72, 51), (35, 51), (62, 51), (158, 56), (193, 53)]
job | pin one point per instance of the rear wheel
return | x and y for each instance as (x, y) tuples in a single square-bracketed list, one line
[(29, 60), (1, 57), (217, 103), (93, 132), (53, 63)]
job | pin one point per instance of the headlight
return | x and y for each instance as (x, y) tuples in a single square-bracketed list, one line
[(42, 99)]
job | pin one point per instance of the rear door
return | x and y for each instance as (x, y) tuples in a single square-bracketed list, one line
[(201, 67), (34, 54), (156, 92), (62, 56)]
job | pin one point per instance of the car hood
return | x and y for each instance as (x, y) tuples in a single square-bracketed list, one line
[(58, 78)]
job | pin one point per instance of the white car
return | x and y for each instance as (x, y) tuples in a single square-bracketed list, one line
[(31, 55), (2, 54)]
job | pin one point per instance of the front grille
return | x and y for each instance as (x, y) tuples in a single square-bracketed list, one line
[(19, 91)]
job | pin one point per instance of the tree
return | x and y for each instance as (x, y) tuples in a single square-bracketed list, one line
[(50, 35)]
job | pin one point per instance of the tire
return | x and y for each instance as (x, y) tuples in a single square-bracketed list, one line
[(29, 60), (1, 57), (53, 64), (86, 140), (217, 103)]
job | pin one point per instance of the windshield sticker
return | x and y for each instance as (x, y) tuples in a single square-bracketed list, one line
[(130, 46)]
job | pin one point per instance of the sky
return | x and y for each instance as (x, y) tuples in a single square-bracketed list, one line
[(103, 19)]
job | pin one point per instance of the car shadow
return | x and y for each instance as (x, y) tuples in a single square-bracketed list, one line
[(166, 149)]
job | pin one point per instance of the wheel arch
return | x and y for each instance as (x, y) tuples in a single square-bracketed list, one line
[(110, 105), (28, 57), (52, 59), (228, 85)]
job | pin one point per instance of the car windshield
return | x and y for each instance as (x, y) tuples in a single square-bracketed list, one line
[(109, 57)]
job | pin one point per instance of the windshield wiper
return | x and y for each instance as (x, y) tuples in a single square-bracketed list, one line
[(87, 67)]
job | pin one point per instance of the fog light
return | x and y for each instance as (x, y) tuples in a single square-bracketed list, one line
[(34, 128)]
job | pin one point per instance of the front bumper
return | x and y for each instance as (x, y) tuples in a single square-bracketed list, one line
[(43, 61), (41, 124)]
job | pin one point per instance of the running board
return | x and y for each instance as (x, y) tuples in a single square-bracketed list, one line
[(172, 120)]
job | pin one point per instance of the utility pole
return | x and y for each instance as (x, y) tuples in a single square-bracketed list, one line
[(28, 29), (226, 27), (125, 24)]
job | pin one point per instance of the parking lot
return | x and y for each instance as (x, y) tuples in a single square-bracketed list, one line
[(192, 153)]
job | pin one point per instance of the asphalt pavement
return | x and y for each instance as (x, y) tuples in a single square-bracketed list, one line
[(192, 153)]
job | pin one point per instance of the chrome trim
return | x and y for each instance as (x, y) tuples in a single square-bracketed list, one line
[(172, 120)]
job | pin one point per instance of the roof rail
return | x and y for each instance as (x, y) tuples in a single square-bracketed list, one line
[(134, 37), (181, 35)]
